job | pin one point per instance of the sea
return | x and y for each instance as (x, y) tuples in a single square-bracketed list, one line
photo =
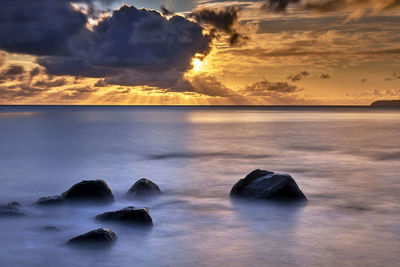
[(346, 160)]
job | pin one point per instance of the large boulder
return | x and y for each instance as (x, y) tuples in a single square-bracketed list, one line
[(52, 200), (98, 236), (129, 215), (12, 209), (261, 184), (94, 190), (143, 188)]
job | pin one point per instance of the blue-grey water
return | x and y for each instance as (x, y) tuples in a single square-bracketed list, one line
[(346, 160)]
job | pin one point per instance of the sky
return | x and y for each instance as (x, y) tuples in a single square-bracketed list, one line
[(199, 52)]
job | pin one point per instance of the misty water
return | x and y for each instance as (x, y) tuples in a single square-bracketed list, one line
[(346, 160)]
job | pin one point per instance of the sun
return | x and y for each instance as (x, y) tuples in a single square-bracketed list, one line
[(197, 64)]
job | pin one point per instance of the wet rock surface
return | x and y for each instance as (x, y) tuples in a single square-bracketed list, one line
[(51, 200), (130, 215), (262, 184), (98, 236), (89, 190), (143, 188)]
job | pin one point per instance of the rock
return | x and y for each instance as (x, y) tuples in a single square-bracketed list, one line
[(49, 200), (98, 236), (11, 209), (94, 190), (129, 215), (261, 184), (143, 188)]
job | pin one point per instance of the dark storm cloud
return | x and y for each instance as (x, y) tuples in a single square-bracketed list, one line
[(39, 27), (298, 76), (325, 76), (278, 5), (132, 40), (221, 20), (145, 39), (267, 88)]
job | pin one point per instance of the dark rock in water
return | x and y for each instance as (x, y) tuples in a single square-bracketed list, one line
[(261, 184), (94, 190), (49, 200), (98, 236), (129, 215), (144, 188), (11, 209)]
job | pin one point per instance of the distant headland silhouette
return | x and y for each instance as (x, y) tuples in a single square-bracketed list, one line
[(386, 103)]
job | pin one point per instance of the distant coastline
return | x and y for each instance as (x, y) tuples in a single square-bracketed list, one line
[(386, 103)]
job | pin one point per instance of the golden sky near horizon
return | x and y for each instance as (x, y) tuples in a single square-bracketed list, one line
[(219, 52)]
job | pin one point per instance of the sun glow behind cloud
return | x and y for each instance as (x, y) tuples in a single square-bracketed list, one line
[(197, 65)]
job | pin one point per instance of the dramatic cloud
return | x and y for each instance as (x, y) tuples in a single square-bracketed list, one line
[(267, 88), (172, 79), (337, 5), (2, 58), (18, 91), (360, 6), (393, 77), (50, 83), (222, 20), (298, 76), (76, 93), (278, 5), (34, 72), (13, 72), (39, 27), (166, 11), (210, 86), (325, 76), (130, 41)]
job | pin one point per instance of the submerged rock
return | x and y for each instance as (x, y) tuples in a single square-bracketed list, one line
[(129, 215), (94, 190), (261, 184), (11, 209), (98, 236), (49, 200), (143, 188)]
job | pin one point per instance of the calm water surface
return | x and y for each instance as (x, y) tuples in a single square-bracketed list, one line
[(346, 160)]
